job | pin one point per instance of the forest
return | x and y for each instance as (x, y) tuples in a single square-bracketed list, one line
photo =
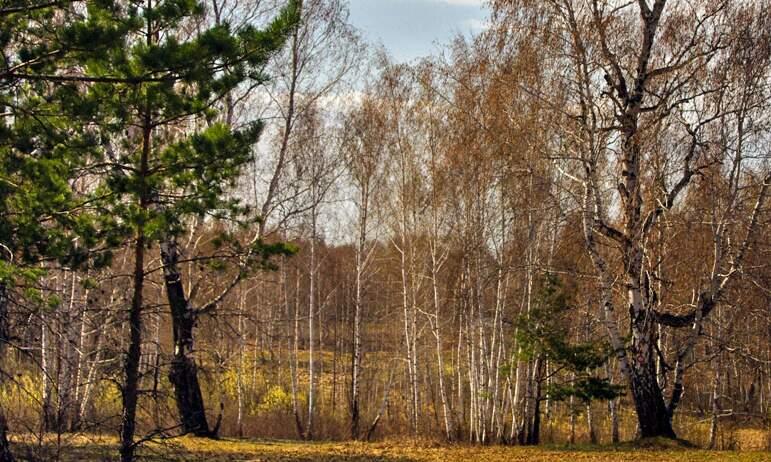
[(237, 221)]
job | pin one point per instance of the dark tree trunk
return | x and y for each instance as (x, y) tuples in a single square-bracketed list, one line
[(534, 438), (133, 355), (130, 390), (534, 432), (654, 419), (184, 373), (5, 448), (652, 415)]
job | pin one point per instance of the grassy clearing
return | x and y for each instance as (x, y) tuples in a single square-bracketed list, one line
[(191, 449)]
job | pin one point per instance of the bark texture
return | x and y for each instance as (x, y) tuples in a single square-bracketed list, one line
[(183, 374)]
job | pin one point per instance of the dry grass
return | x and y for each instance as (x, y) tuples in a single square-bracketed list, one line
[(191, 449)]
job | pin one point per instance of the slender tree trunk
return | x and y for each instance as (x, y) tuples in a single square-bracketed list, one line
[(156, 365), (357, 353), (408, 335), (88, 387), (92, 370), (713, 427), (289, 120), (383, 407), (496, 353), (516, 401), (45, 373), (240, 369), (80, 367), (572, 409), (183, 373), (68, 376), (414, 380), (449, 424), (613, 409), (295, 361), (311, 311), (130, 391)]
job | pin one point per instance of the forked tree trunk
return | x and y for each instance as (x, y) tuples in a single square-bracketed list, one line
[(653, 416), (383, 407), (184, 373)]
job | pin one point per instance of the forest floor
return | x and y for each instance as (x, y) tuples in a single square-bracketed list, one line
[(190, 449)]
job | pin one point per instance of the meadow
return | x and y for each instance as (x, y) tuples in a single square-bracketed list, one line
[(104, 448)]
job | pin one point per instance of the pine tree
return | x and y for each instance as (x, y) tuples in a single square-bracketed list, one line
[(154, 95), (544, 334), (44, 221)]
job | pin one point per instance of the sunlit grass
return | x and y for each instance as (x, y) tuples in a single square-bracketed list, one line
[(101, 448)]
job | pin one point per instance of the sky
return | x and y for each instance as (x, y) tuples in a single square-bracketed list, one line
[(412, 28)]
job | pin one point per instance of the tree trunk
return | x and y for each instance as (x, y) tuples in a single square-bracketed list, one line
[(46, 374), (715, 408), (590, 424), (534, 437), (383, 406), (130, 390), (652, 415), (449, 424), (183, 374), (80, 366), (311, 311), (5, 448), (294, 363), (613, 409), (409, 333), (357, 353), (572, 436), (534, 424), (240, 369), (134, 353), (572, 408)]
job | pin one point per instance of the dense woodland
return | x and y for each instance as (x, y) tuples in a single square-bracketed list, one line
[(237, 218)]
